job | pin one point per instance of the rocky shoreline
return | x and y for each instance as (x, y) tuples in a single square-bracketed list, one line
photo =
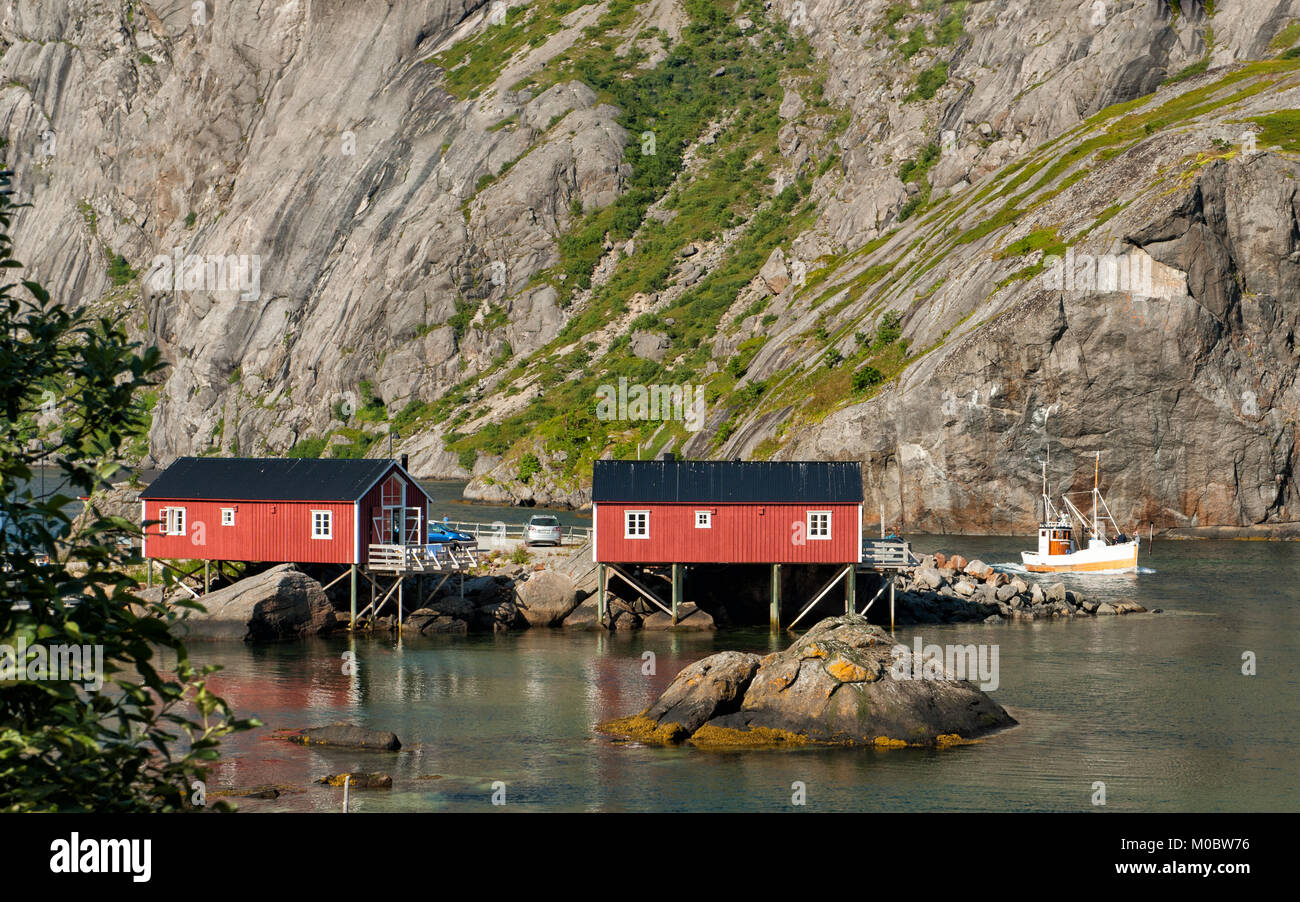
[(288, 602), (943, 589)]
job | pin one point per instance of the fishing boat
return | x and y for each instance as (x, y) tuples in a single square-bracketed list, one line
[(1107, 548)]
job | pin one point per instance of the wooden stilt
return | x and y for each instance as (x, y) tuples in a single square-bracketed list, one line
[(336, 579), (400, 582), (850, 590), (818, 597), (207, 577), (181, 577), (601, 601), (352, 609), (891, 606), (775, 615), (645, 593), (148, 569), (677, 590)]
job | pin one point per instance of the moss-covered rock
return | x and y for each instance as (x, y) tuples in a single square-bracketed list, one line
[(835, 685)]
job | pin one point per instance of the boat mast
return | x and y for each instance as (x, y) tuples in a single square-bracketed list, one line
[(1047, 456), (1096, 480)]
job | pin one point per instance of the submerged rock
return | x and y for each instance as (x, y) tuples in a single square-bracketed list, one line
[(690, 618), (585, 616), (358, 781), (428, 621), (265, 791), (839, 683), (348, 735)]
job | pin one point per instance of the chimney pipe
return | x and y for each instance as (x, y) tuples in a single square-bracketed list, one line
[(404, 461)]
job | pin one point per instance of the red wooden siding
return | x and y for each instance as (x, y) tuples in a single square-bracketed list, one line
[(372, 503), (272, 531), (739, 534), (275, 531)]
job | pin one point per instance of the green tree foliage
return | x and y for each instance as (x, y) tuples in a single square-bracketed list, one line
[(139, 742), (120, 271), (866, 378)]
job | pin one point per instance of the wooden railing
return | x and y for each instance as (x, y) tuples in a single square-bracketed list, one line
[(388, 557), (887, 554), (502, 530), (420, 558)]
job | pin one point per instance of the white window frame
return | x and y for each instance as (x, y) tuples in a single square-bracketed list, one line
[(317, 522), (704, 519), (629, 521), (173, 521), (817, 532), (227, 516)]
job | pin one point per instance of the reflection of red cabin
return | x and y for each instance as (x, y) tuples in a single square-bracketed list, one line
[(727, 512), (281, 511)]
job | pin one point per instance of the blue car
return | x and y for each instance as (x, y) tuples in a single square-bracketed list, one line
[(443, 534)]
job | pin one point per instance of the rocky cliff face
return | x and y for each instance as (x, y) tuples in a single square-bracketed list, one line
[(838, 221)]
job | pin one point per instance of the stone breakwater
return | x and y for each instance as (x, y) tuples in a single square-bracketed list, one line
[(943, 589)]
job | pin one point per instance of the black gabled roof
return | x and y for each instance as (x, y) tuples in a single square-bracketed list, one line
[(704, 481), (266, 479)]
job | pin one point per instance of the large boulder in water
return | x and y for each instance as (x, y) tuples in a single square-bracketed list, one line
[(280, 603), (703, 691), (845, 682), (546, 598)]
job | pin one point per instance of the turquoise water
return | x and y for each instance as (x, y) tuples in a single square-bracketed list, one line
[(1153, 705)]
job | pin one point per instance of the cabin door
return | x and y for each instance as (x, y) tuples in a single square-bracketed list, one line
[(388, 520)]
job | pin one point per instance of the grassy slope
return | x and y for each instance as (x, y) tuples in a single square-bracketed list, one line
[(859, 295)]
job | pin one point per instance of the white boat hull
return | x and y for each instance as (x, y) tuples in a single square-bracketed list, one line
[(1119, 558)]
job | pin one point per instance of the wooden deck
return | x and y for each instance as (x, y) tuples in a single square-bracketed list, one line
[(421, 559)]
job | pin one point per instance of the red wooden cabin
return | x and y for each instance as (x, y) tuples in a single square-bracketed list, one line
[(281, 510), (727, 512)]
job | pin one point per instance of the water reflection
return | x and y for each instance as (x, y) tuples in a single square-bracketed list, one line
[(1154, 705)]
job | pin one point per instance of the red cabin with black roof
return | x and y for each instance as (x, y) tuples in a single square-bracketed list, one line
[(727, 512), (281, 510)]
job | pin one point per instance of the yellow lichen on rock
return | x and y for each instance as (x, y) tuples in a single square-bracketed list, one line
[(847, 671), (643, 729), (884, 742), (709, 736), (947, 740)]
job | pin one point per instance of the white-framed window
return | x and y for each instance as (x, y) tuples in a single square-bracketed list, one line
[(636, 524), (227, 516), (819, 524), (173, 521), (322, 524), (704, 519)]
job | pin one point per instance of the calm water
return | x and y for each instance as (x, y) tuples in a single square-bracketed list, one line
[(1153, 705)]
